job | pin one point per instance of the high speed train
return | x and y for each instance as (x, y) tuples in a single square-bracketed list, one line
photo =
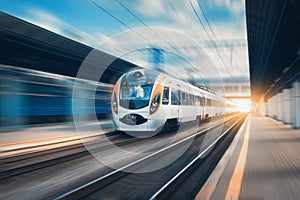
[(145, 100)]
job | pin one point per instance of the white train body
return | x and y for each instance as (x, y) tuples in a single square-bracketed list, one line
[(144, 100)]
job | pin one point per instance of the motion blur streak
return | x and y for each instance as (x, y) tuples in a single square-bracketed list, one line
[(31, 97)]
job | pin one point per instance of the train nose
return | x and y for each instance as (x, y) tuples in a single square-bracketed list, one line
[(133, 119)]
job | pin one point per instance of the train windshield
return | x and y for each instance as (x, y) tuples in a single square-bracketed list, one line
[(136, 88)]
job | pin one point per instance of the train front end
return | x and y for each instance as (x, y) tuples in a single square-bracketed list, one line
[(136, 102)]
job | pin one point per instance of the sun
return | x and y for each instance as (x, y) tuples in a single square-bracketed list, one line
[(244, 105)]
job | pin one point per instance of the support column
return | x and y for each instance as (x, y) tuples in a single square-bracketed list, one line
[(270, 111), (295, 108), (287, 106), (282, 106), (279, 102), (268, 108), (271, 106), (275, 107)]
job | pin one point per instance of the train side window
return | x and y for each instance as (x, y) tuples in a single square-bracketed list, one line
[(202, 101), (187, 99), (174, 98), (183, 99), (197, 100), (193, 99), (165, 100), (208, 102)]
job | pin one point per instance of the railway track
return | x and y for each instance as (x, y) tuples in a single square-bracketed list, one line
[(51, 154), (105, 184), (182, 177), (27, 159)]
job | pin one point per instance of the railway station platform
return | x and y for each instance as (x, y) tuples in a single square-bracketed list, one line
[(38, 135), (262, 162)]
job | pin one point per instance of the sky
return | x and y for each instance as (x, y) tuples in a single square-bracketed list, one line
[(205, 40)]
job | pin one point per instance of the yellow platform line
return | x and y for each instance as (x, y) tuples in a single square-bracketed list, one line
[(235, 184), (210, 185)]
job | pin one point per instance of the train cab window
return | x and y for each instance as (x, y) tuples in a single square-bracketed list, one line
[(174, 98), (165, 100), (136, 88)]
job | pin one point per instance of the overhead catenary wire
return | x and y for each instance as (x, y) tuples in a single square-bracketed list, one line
[(140, 20), (128, 27), (214, 45), (213, 33)]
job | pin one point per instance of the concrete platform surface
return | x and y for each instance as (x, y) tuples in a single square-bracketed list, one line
[(30, 136), (263, 162)]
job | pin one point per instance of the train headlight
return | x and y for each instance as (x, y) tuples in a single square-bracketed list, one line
[(155, 103), (115, 104)]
